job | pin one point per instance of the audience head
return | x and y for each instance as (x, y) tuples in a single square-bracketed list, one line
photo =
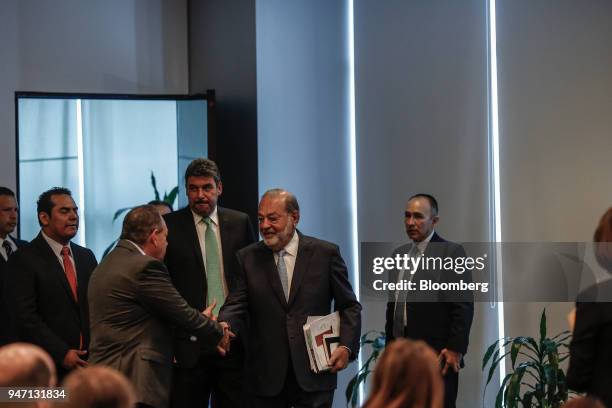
[(278, 215), (26, 365), (421, 216), (603, 241), (407, 375), (583, 402), (58, 214), (144, 226), (203, 185), (162, 206), (98, 387), (9, 212)]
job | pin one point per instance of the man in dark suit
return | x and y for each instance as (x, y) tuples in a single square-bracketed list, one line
[(202, 242), (134, 306), (9, 213), (284, 279), (47, 284), (443, 324)]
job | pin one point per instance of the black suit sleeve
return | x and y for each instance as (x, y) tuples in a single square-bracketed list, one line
[(161, 298), (345, 302), (21, 287), (235, 308), (583, 348), (461, 313)]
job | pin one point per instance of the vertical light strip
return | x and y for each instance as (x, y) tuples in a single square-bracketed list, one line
[(353, 160), (494, 139), (81, 175)]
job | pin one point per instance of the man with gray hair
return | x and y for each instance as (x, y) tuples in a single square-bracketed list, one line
[(134, 308), (284, 279)]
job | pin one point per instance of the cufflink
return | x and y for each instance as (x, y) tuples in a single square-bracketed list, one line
[(193, 338)]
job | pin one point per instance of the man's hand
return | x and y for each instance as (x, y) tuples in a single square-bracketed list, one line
[(224, 344), (339, 359), (72, 359), (208, 312), (451, 359)]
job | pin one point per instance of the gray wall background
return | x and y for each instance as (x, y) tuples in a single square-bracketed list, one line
[(421, 109), (115, 46), (420, 71), (555, 110)]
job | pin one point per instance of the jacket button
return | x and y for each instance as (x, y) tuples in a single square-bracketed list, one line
[(193, 338)]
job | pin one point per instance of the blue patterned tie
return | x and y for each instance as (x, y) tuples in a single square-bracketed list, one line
[(282, 273)]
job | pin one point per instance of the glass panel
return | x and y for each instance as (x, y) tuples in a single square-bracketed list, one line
[(36, 177), (123, 142)]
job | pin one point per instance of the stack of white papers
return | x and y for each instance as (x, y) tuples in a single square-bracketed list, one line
[(322, 334)]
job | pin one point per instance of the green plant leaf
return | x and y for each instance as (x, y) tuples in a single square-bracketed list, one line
[(154, 184), (353, 393), (543, 325), (120, 211), (527, 398), (171, 198), (494, 364), (499, 399)]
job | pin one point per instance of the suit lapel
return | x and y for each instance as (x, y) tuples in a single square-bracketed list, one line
[(54, 266), (269, 265), (193, 239), (301, 266), (225, 240)]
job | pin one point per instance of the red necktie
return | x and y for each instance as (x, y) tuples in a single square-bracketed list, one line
[(71, 276), (70, 273)]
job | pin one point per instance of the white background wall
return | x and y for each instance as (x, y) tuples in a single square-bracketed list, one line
[(114, 46)]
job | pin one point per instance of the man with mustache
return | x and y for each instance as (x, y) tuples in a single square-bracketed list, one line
[(47, 284), (9, 213), (444, 325), (201, 258), (284, 279)]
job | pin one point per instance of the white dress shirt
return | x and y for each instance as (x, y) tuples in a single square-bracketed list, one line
[(56, 247), (11, 244)]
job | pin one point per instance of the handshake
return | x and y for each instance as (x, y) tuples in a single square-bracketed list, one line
[(224, 344)]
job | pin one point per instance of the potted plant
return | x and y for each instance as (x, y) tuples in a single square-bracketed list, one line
[(535, 378), (376, 341)]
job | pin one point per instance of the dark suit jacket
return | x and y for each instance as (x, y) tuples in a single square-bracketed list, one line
[(42, 304), (275, 331), (441, 324), (590, 350), (187, 270), (7, 325), (133, 307)]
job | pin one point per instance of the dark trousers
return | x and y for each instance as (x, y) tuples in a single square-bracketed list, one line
[(451, 386), (214, 378), (292, 396)]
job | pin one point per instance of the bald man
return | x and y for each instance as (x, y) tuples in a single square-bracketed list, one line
[(26, 365)]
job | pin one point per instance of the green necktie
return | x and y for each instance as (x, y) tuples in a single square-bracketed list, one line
[(213, 270)]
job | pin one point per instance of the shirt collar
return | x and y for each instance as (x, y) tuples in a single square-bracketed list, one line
[(9, 240), (292, 247), (56, 247), (137, 246), (214, 217), (423, 244)]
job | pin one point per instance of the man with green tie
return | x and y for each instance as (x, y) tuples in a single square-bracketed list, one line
[(203, 239)]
